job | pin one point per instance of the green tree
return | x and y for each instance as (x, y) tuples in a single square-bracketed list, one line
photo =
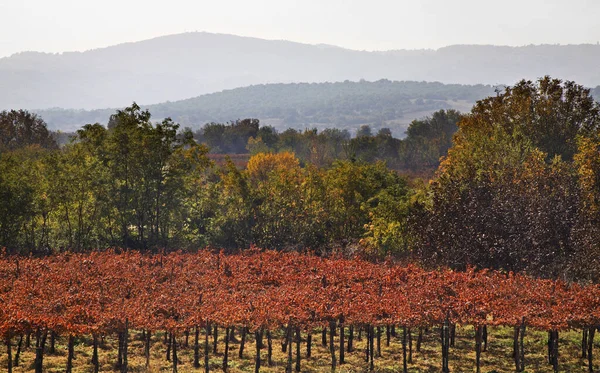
[(146, 172), (427, 140), (354, 190), (231, 225), (16, 202), (19, 129)]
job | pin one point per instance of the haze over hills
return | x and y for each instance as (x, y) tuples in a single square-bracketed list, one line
[(344, 105), (186, 65)]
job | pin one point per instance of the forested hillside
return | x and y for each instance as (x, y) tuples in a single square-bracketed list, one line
[(345, 106)]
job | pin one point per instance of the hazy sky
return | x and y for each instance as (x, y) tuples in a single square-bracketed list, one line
[(61, 25)]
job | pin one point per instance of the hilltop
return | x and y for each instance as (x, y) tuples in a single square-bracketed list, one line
[(345, 105), (177, 67)]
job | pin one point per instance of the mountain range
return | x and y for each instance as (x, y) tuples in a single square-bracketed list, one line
[(187, 65)]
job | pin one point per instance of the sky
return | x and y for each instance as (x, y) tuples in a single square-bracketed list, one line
[(77, 25)]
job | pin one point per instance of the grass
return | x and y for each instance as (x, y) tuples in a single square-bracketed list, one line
[(498, 357)]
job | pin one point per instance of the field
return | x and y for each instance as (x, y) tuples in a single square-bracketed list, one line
[(462, 357)]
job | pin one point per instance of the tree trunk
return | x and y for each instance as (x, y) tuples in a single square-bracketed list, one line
[(387, 335), (288, 342), (206, 335), (125, 366), (590, 347), (445, 346), (70, 353), (379, 341), (39, 351), (555, 351), (269, 348), (550, 350), (197, 348), (516, 354), (284, 342), (243, 342), (9, 354), (187, 338), (367, 345), (350, 338), (226, 352), (443, 343), (371, 349), (584, 336), (232, 334), (174, 343), (95, 361), (215, 339), (298, 341), (120, 350), (478, 342), (485, 338), (522, 346), (331, 346), (258, 337), (419, 339), (342, 346), (147, 348), (169, 344), (52, 343), (309, 344), (323, 337), (18, 354), (404, 340), (410, 349), (452, 334)]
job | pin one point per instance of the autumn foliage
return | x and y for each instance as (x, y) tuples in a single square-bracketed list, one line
[(96, 293)]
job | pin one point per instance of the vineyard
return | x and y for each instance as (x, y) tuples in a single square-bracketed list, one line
[(265, 295)]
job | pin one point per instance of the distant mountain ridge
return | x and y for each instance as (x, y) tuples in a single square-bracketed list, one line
[(186, 65)]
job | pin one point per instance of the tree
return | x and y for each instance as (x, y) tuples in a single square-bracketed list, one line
[(357, 192), (16, 202), (586, 234), (427, 140), (548, 113), (21, 128), (506, 196), (146, 165)]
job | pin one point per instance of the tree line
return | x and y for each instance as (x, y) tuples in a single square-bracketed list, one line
[(518, 190), (148, 186), (426, 141)]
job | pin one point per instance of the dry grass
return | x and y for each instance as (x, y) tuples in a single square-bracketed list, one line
[(462, 356)]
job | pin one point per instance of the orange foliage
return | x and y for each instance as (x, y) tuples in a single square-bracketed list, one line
[(96, 293)]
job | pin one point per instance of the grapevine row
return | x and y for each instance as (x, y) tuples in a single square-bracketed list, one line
[(110, 293)]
